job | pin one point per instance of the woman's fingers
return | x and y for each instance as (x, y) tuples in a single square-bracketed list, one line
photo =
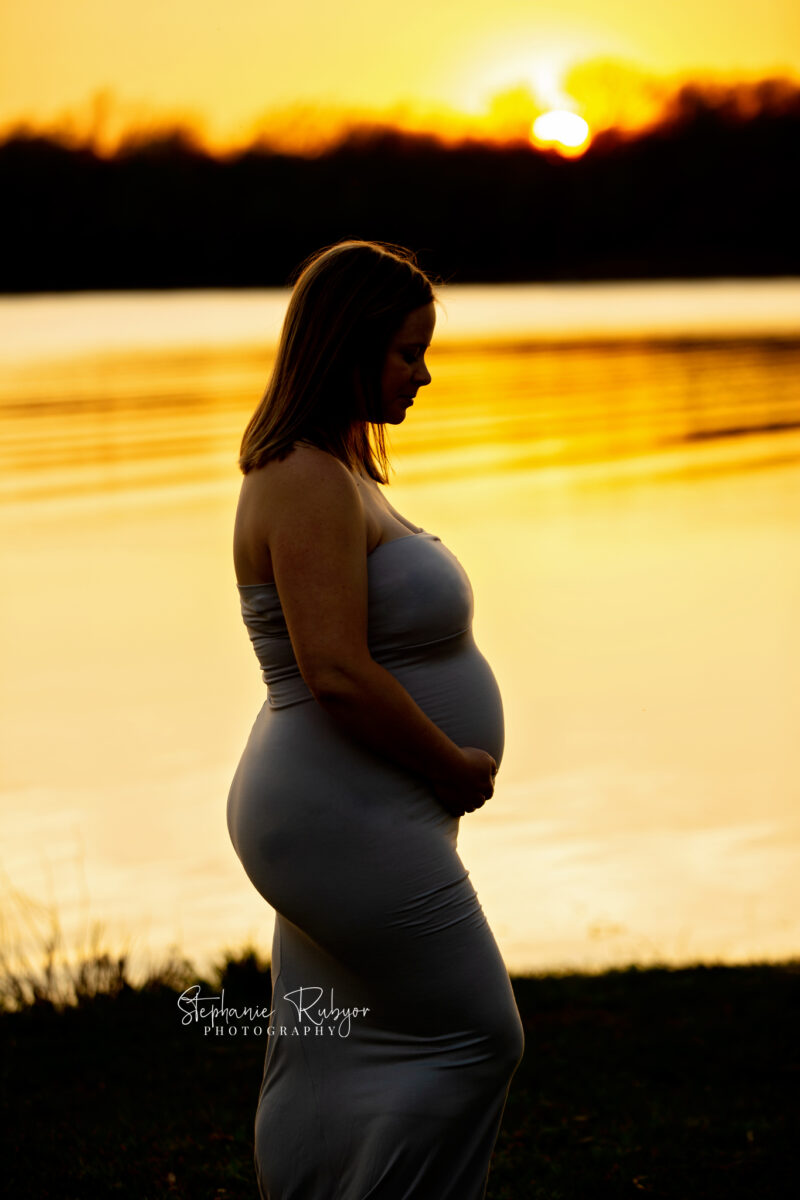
[(469, 794)]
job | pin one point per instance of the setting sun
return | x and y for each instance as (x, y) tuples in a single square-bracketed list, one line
[(561, 130)]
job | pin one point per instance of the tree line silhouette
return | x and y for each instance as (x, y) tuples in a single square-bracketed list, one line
[(712, 190)]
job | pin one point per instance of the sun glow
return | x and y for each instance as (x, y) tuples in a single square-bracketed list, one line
[(561, 130)]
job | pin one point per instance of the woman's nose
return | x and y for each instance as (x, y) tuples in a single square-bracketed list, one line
[(422, 375)]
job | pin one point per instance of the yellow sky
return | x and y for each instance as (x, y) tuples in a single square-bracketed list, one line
[(227, 62)]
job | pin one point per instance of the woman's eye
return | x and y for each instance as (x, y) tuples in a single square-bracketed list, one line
[(410, 356)]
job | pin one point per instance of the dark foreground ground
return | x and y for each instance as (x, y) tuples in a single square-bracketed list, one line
[(680, 1084)]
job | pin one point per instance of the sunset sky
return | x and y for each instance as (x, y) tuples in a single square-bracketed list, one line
[(223, 66)]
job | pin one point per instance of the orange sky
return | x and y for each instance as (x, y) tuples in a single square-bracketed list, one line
[(225, 67)]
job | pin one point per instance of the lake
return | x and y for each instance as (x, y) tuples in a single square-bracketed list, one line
[(618, 468)]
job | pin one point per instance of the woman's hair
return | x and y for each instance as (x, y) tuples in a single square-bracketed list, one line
[(348, 302)]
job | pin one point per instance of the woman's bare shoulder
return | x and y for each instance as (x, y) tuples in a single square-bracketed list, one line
[(305, 499), (304, 467), (309, 484)]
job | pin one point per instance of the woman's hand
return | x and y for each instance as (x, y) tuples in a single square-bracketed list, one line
[(472, 787)]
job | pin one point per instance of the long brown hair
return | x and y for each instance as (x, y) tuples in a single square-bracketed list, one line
[(348, 302)]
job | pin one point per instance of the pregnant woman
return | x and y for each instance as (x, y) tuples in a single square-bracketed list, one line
[(394, 1033)]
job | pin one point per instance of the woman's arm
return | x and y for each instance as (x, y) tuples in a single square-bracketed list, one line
[(307, 511)]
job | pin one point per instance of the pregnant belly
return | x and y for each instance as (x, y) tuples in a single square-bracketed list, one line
[(306, 792), (454, 685)]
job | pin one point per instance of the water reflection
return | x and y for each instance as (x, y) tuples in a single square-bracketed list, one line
[(115, 421), (643, 630)]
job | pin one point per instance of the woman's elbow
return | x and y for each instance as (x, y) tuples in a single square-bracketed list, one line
[(332, 682)]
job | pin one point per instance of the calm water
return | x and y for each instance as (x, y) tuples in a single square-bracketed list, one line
[(618, 467)]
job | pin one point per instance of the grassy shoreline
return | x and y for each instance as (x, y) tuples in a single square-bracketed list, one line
[(667, 1082)]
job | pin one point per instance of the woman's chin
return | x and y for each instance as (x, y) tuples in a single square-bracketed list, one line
[(395, 416)]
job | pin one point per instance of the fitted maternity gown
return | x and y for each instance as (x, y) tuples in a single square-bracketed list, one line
[(374, 910)]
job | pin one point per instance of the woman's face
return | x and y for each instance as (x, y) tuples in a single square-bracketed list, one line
[(404, 369)]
